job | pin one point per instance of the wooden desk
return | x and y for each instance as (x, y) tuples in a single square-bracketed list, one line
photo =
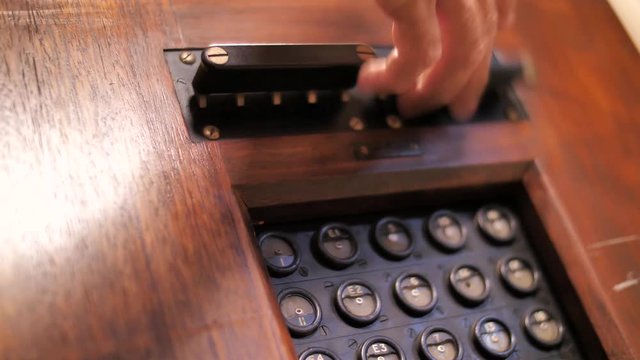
[(122, 239)]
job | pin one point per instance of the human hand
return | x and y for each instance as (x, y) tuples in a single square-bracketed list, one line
[(442, 53)]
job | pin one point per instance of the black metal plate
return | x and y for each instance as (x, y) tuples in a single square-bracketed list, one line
[(259, 118), (426, 259)]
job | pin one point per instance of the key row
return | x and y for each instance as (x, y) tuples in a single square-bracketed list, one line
[(336, 247), (359, 305), (491, 336)]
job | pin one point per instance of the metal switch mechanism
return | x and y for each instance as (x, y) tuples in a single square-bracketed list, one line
[(247, 91), (240, 69)]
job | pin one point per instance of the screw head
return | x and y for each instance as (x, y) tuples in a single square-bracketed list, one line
[(216, 55), (187, 57), (365, 52), (211, 132), (356, 123), (394, 122)]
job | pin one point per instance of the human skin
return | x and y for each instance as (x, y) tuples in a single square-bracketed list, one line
[(442, 53)]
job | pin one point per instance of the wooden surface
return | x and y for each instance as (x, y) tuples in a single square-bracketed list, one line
[(122, 239)]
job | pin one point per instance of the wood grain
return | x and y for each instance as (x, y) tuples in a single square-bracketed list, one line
[(122, 239)]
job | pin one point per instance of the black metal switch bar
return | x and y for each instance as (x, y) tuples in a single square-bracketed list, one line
[(279, 67)]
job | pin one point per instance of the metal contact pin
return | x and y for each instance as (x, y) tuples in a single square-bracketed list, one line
[(312, 97), (239, 100), (276, 98), (345, 96), (202, 101)]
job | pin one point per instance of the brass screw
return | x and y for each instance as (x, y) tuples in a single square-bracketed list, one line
[(394, 122), (356, 123), (211, 132), (217, 55), (187, 57), (365, 52)]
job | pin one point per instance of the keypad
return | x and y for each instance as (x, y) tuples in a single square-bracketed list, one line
[(432, 284)]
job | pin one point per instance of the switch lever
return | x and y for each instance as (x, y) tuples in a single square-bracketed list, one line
[(279, 67)]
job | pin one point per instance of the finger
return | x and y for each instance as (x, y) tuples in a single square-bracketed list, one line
[(416, 37), (506, 13), (398, 9), (465, 45), (465, 104)]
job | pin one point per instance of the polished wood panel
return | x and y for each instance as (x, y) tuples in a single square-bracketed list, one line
[(585, 112), (122, 239), (300, 169), (584, 123)]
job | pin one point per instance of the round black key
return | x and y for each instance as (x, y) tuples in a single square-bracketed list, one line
[(497, 223), (380, 348), (543, 329), (336, 246), (494, 338), (300, 310), (392, 239), (439, 344), (318, 354), (469, 284), (519, 275), (280, 254), (446, 230), (357, 303), (415, 294)]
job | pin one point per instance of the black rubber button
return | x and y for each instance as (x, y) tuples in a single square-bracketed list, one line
[(392, 239), (357, 303), (543, 329), (336, 246), (497, 223), (518, 275), (439, 344), (494, 338), (446, 230), (380, 348), (300, 310), (415, 294), (280, 254), (317, 354), (469, 285)]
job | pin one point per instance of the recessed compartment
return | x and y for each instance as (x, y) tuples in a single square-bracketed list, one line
[(466, 273)]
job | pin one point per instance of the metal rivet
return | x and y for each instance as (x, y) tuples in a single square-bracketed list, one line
[(187, 57), (365, 52), (394, 122), (217, 55), (211, 132), (356, 123)]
